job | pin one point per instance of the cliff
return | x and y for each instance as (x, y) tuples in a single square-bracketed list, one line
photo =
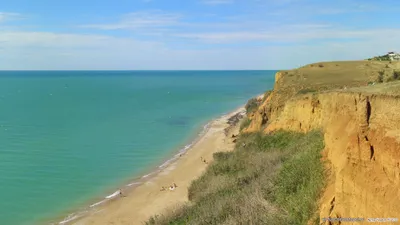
[(361, 132)]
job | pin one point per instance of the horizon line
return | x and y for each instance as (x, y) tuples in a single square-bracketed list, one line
[(57, 70)]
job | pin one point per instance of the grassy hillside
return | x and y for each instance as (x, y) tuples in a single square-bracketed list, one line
[(267, 179), (331, 75)]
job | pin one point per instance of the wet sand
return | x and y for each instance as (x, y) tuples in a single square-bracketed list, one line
[(147, 200)]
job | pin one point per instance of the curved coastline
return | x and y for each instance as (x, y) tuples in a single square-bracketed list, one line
[(100, 204)]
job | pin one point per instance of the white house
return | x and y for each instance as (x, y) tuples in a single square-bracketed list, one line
[(394, 56)]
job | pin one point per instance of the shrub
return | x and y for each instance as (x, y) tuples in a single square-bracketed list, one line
[(305, 91), (380, 76), (252, 105), (396, 75), (381, 58)]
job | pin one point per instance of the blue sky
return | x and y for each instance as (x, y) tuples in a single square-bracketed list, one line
[(193, 34)]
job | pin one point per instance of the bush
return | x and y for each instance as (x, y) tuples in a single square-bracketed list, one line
[(273, 179), (252, 105), (305, 91), (381, 58), (380, 76), (396, 75)]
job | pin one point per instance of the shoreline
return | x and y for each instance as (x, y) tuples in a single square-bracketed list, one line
[(92, 213)]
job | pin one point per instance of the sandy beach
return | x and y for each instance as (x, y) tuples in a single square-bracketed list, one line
[(147, 199)]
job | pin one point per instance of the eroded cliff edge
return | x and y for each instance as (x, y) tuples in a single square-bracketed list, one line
[(361, 125)]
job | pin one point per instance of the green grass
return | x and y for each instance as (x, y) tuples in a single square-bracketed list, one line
[(273, 179), (381, 58)]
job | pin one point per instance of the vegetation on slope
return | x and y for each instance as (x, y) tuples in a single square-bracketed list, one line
[(306, 91), (395, 76), (380, 58), (245, 123), (388, 75), (252, 105), (267, 179)]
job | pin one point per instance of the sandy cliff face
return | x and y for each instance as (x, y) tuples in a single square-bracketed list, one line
[(362, 144)]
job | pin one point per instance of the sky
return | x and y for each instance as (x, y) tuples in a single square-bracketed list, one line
[(193, 34)]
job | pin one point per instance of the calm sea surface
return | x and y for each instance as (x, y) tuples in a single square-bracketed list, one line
[(67, 138)]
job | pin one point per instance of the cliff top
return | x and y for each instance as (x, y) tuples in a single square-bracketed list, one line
[(328, 75), (340, 76)]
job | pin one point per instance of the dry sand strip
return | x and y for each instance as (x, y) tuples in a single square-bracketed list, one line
[(147, 200)]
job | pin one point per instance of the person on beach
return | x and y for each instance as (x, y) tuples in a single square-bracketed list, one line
[(173, 186), (120, 193)]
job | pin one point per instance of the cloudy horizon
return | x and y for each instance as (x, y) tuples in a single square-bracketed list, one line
[(192, 35)]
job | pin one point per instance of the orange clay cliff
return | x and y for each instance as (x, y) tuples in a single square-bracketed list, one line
[(357, 106)]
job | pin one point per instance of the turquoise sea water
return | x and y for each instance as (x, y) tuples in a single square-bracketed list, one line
[(67, 138)]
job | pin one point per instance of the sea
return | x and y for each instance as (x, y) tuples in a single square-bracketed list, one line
[(70, 138)]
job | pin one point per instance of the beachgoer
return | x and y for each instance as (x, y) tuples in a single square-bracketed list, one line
[(120, 193), (171, 188), (244, 145)]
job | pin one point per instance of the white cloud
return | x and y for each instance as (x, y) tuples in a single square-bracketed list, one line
[(227, 36), (4, 16), (292, 34), (217, 2), (52, 51), (192, 44), (139, 20), (45, 50)]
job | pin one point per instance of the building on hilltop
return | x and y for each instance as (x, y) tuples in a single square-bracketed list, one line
[(394, 56)]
